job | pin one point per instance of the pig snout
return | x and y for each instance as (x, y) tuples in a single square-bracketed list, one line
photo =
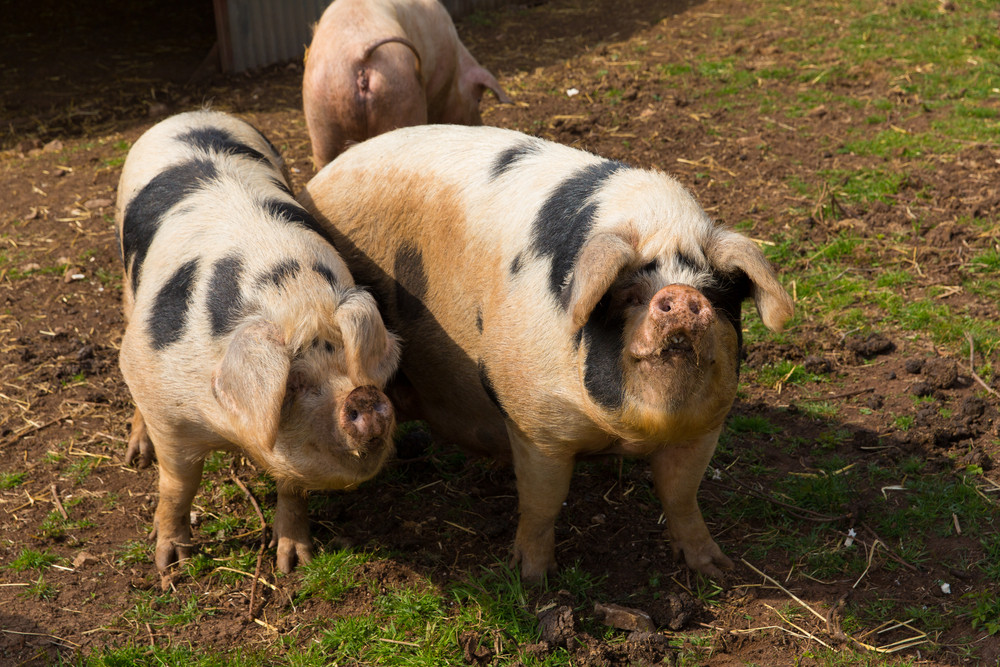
[(365, 416), (677, 318)]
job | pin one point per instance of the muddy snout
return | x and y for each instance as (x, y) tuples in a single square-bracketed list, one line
[(366, 417), (678, 317)]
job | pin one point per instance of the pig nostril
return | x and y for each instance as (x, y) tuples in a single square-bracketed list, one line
[(352, 415)]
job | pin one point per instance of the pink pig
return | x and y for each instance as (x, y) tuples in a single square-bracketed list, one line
[(376, 65)]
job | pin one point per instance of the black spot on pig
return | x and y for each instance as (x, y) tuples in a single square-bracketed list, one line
[(146, 211), (411, 282), (727, 294), (566, 218), (603, 374), (687, 262), (479, 320), (169, 315), (327, 274), (225, 301), (484, 379), (281, 185), (279, 273), (292, 213), (515, 266), (509, 157), (219, 141)]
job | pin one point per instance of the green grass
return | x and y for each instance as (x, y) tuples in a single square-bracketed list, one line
[(12, 480), (31, 559)]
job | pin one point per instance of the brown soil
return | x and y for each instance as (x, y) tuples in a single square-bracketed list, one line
[(82, 83)]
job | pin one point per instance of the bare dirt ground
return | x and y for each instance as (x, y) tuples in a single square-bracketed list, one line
[(78, 89)]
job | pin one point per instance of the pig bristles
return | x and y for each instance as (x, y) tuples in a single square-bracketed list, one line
[(263, 543)]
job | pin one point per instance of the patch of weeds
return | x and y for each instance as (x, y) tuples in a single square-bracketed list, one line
[(929, 619), (80, 470), (216, 461), (991, 564), (134, 552), (12, 480), (55, 526), (30, 559), (41, 590), (983, 611), (330, 576), (707, 590), (785, 372), (904, 422), (819, 410), (146, 607), (579, 581), (188, 613), (827, 492), (752, 424)]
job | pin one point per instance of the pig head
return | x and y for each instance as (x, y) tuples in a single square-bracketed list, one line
[(245, 331), (376, 65), (554, 305)]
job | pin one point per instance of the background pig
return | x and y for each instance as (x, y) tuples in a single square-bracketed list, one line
[(244, 329), (375, 65), (554, 304)]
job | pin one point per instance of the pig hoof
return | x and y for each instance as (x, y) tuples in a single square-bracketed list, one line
[(533, 570), (707, 559), (169, 552), (292, 553), (140, 449)]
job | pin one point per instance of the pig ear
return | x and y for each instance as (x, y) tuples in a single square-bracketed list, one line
[(372, 352), (250, 383), (734, 251), (479, 79), (601, 260)]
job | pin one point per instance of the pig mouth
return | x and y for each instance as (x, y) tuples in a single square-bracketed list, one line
[(676, 347)]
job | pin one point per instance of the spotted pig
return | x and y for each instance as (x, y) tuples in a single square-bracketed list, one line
[(375, 65), (245, 331), (554, 305)]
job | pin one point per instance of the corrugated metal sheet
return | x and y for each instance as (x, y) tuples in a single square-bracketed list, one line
[(256, 33)]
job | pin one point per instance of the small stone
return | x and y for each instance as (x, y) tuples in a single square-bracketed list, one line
[(99, 202), (624, 618), (53, 146), (84, 558)]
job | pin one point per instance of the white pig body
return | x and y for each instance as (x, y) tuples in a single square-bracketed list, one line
[(245, 330), (554, 304), (376, 65)]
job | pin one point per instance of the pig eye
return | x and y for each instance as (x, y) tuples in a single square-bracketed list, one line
[(328, 346), (650, 266)]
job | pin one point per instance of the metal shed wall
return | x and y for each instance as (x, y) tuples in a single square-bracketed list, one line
[(255, 33)]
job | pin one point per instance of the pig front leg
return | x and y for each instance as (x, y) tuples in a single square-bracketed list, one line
[(140, 447), (677, 472), (291, 529), (542, 486), (179, 479)]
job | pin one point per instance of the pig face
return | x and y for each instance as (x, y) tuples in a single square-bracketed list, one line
[(332, 391)]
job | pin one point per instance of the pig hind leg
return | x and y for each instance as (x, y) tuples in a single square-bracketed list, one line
[(140, 447), (291, 529), (179, 479), (677, 473), (542, 486)]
